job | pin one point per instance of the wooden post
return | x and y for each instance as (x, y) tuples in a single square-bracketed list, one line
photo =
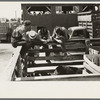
[(19, 67), (87, 44)]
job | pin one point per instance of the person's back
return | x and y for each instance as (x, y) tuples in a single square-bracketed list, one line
[(65, 33), (60, 35), (44, 37)]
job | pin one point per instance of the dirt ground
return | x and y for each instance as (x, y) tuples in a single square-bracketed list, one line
[(6, 51)]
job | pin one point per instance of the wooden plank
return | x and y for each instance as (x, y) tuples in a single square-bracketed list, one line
[(94, 66), (95, 40), (56, 63), (75, 77), (85, 18), (41, 68), (89, 23), (84, 13), (50, 68), (68, 41), (90, 30), (89, 68), (57, 49), (89, 27), (75, 40), (85, 72), (6, 75), (86, 23), (77, 66), (19, 68), (71, 57)]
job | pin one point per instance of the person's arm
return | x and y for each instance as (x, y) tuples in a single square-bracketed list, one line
[(54, 34), (65, 33), (21, 43), (49, 37), (13, 42), (16, 43), (16, 39), (60, 39)]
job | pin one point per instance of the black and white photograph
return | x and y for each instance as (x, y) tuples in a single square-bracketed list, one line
[(49, 42)]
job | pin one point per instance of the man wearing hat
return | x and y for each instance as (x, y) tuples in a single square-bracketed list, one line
[(22, 36), (19, 37)]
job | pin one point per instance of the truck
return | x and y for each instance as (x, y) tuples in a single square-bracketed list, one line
[(3, 31), (6, 29), (90, 20)]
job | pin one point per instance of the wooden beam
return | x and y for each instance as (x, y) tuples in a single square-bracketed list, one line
[(50, 68), (41, 68), (70, 40), (95, 40), (56, 63), (75, 77), (72, 57), (90, 68), (84, 13), (57, 49)]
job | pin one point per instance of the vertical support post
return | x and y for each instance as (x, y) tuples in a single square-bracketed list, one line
[(87, 46)]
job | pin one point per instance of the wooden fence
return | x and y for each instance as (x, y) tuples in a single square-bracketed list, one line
[(16, 64)]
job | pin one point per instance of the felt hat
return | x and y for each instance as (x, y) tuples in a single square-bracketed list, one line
[(31, 34)]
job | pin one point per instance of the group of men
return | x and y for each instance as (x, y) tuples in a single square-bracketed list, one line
[(24, 35)]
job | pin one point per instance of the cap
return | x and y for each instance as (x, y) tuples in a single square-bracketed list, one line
[(27, 22), (31, 34)]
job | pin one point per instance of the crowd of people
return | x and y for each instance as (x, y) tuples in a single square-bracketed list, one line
[(24, 35)]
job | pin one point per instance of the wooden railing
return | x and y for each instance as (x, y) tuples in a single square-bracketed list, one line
[(8, 73), (15, 62)]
